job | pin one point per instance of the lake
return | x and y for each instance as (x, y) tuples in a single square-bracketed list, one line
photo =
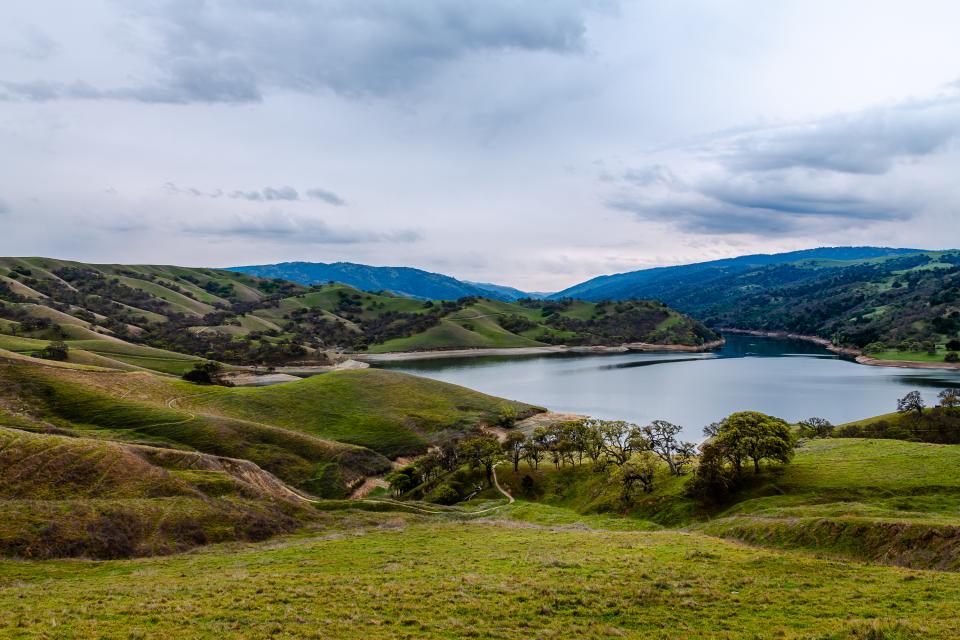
[(786, 378)]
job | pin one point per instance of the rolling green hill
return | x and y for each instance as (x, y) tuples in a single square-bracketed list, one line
[(322, 434), (165, 318)]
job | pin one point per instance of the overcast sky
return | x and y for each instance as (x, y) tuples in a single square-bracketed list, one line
[(530, 143)]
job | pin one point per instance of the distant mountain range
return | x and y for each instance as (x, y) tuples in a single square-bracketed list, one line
[(661, 283), (403, 281)]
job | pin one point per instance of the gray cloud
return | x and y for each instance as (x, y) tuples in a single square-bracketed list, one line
[(759, 209), (280, 193), (284, 227), (4, 207), (832, 172), (284, 193), (376, 47), (327, 196), (707, 216), (868, 142)]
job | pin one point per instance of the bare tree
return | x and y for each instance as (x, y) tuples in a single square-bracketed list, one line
[(913, 401), (513, 446), (949, 398), (620, 440), (661, 437), (639, 469)]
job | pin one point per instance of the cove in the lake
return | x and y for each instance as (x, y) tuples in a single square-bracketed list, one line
[(786, 378)]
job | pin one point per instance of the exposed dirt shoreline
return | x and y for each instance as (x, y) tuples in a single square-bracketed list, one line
[(398, 356), (855, 354)]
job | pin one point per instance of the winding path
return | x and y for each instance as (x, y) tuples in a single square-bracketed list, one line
[(496, 483)]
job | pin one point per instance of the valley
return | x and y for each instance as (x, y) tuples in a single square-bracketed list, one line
[(414, 502)]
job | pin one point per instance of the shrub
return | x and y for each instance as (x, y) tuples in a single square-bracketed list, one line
[(952, 356), (57, 350), (205, 373), (875, 347), (527, 484), (444, 494)]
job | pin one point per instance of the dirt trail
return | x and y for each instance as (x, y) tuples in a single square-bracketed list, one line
[(496, 483)]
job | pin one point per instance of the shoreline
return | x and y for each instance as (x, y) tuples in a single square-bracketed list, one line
[(401, 356), (855, 354)]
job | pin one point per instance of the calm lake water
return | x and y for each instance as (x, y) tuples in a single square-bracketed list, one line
[(786, 378)]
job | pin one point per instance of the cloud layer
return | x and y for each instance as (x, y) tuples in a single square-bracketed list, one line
[(267, 194), (534, 144), (233, 51), (824, 174)]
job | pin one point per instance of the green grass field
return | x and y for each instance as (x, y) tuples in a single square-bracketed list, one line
[(911, 356), (389, 576)]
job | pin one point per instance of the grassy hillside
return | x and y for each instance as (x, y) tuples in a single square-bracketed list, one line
[(322, 434), (854, 296), (392, 413), (164, 318), (63, 496), (886, 501), (840, 542)]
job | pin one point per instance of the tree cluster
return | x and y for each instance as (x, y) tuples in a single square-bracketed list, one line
[(740, 438)]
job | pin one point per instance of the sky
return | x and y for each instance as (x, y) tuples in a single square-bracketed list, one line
[(534, 144)]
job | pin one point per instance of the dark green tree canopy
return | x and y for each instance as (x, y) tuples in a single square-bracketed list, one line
[(757, 436)]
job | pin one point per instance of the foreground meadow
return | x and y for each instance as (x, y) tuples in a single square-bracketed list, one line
[(393, 576)]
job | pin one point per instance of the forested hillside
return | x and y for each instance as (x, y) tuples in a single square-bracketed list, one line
[(852, 295)]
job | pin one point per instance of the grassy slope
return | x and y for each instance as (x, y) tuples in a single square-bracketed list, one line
[(389, 412), (109, 353), (421, 580), (911, 356), (882, 500), (316, 433), (76, 496), (134, 408)]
